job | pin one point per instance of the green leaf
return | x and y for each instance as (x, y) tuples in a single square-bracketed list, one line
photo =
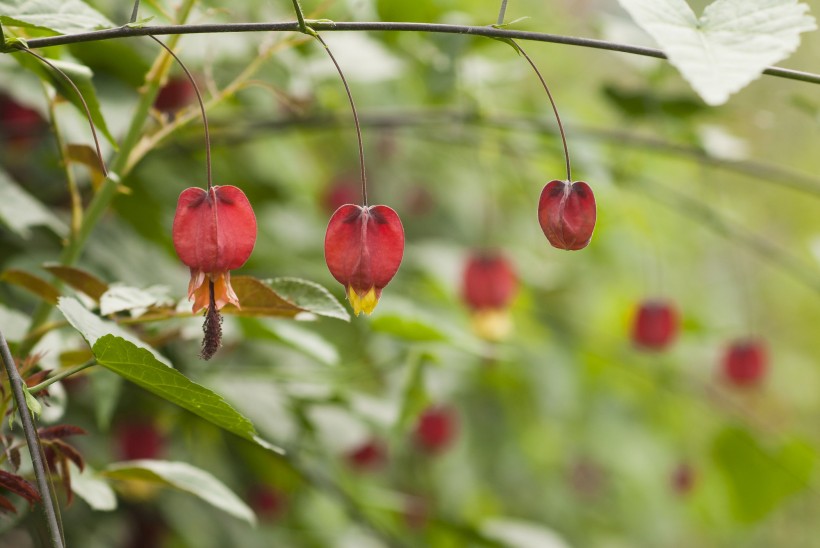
[(402, 319), (59, 16), (283, 297), (760, 478), (729, 46), (20, 211), (93, 488), (92, 327), (414, 396), (33, 283), (310, 297), (187, 478), (120, 298), (139, 366), (81, 75), (33, 405), (79, 279)]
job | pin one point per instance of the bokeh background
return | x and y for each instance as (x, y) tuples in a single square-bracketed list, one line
[(421, 425)]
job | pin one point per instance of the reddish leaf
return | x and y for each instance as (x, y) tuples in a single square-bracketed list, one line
[(14, 458), (33, 283), (6, 505), (69, 452), (65, 475), (80, 279), (567, 214), (19, 486), (60, 431)]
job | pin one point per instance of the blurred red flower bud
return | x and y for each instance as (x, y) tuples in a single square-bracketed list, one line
[(139, 440), (340, 192), (369, 456), (214, 232), (489, 281), (436, 429), (683, 479), (363, 251), (267, 502), (567, 214), (175, 95), (19, 124), (655, 325), (745, 362)]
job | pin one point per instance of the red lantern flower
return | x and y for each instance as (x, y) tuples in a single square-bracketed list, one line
[(363, 251), (489, 281), (175, 95), (214, 232), (369, 456), (567, 214), (139, 440), (655, 325), (435, 429), (745, 362)]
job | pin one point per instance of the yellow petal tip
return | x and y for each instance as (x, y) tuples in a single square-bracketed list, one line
[(362, 303)]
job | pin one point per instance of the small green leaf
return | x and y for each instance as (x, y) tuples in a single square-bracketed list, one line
[(33, 405), (81, 75), (78, 279), (138, 366), (33, 283), (283, 297), (20, 211), (187, 478), (59, 16), (138, 24), (93, 488), (92, 327)]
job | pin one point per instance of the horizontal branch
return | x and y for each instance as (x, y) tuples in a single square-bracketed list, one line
[(487, 31)]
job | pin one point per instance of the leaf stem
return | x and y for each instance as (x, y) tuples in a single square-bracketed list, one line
[(135, 12), (355, 118), (33, 442), (554, 107), (61, 375), (208, 169)]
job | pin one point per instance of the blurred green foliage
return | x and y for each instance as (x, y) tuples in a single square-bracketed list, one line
[(565, 433)]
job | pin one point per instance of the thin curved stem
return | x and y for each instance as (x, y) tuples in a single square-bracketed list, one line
[(554, 108), (60, 376), (355, 120), (379, 26), (33, 442), (208, 169), (82, 100)]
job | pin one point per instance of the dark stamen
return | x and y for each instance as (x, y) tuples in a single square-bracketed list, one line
[(212, 328)]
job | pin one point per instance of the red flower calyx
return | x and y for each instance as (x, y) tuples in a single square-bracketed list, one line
[(566, 213), (655, 325), (489, 286), (436, 429), (364, 246)]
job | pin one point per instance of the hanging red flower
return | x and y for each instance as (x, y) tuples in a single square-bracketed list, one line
[(566, 213), (364, 246)]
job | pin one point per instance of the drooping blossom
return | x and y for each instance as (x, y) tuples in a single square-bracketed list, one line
[(364, 246), (214, 232), (489, 284), (436, 429), (745, 362), (655, 325), (566, 213)]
